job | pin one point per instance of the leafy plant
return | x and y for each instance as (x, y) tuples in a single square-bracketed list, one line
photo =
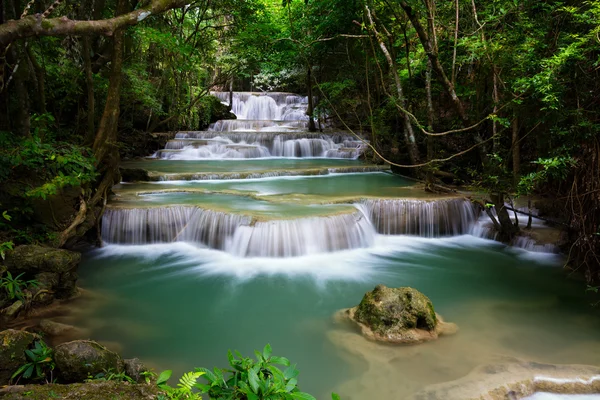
[(40, 363), (4, 247), (184, 389), (14, 285), (110, 375), (248, 379)]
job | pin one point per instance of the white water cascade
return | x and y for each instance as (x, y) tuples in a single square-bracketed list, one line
[(267, 125), (243, 236)]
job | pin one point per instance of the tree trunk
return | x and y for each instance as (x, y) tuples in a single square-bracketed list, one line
[(22, 123), (40, 75), (430, 121), (89, 84), (508, 230), (310, 110), (409, 135), (429, 46), (516, 151)]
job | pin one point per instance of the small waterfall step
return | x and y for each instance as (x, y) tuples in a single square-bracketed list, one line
[(214, 145), (248, 236), (157, 171)]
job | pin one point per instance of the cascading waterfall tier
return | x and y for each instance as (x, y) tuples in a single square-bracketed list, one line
[(268, 125), (201, 145), (445, 217), (170, 224), (236, 234), (266, 106), (244, 236)]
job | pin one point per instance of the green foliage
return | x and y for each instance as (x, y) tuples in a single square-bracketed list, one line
[(184, 389), (14, 286), (48, 165), (247, 379), (39, 365), (555, 168), (4, 247), (110, 375)]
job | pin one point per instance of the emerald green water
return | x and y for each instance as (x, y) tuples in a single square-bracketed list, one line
[(216, 165), (177, 307), (233, 203), (325, 187)]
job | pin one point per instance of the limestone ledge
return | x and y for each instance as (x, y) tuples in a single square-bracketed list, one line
[(516, 379)]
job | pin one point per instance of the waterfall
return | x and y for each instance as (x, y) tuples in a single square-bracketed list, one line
[(445, 217), (267, 106), (170, 224), (241, 235), (304, 236), (214, 145)]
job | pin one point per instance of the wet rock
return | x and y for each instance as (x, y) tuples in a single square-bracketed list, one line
[(67, 285), (134, 369), (47, 282), (134, 175), (515, 379), (79, 359), (34, 259), (13, 344), (53, 328), (79, 391), (398, 315), (12, 311)]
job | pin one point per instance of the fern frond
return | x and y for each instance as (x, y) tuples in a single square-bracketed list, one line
[(188, 380)]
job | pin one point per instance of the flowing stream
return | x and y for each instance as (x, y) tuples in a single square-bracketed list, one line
[(257, 232)]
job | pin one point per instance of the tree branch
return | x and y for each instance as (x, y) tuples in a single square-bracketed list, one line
[(37, 25)]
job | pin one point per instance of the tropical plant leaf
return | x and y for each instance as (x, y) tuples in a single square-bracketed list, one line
[(291, 372), (280, 361), (302, 396), (164, 377), (253, 379), (267, 351)]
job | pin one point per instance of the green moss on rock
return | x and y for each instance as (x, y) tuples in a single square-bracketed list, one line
[(13, 344), (398, 315), (79, 391), (34, 259), (79, 359)]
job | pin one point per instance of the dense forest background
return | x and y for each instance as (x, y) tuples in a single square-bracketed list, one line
[(502, 96)]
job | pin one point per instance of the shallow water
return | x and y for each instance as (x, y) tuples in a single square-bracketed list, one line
[(177, 306), (182, 166), (327, 187)]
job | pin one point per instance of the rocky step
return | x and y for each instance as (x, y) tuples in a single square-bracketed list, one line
[(143, 175)]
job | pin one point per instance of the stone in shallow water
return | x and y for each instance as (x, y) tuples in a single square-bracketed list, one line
[(517, 379), (398, 315), (13, 344), (79, 359)]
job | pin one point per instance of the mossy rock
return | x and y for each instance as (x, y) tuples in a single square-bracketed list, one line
[(134, 175), (78, 391), (13, 344), (79, 359), (34, 259), (398, 315)]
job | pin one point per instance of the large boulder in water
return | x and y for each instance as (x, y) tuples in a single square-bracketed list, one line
[(13, 344), (54, 269), (398, 315), (34, 259), (79, 359)]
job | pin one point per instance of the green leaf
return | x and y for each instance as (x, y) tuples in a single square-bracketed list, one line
[(267, 351), (291, 372), (302, 396), (335, 396), (164, 377), (280, 361), (253, 378)]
